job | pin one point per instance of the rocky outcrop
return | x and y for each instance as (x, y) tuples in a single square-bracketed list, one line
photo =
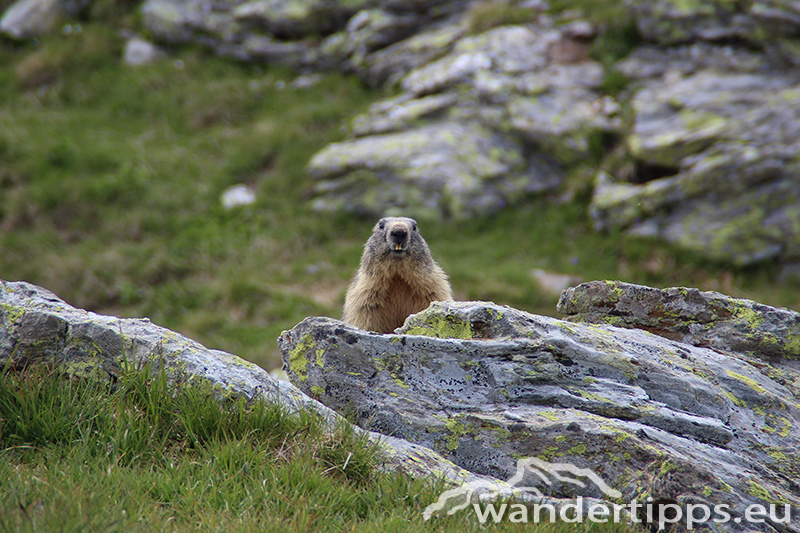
[(486, 385), (473, 131), (708, 319), (32, 18), (713, 142), (483, 120), (771, 25), (36, 327), (723, 147), (301, 33)]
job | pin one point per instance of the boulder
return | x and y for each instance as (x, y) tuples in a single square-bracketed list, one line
[(300, 33), (37, 327), (700, 318), (474, 130), (486, 385), (440, 169), (773, 25), (33, 18), (715, 144)]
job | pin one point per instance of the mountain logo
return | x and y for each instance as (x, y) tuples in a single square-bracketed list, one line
[(530, 469)]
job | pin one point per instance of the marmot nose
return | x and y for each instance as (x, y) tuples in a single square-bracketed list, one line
[(399, 234)]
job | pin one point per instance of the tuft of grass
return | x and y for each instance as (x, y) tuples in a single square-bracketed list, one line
[(139, 454)]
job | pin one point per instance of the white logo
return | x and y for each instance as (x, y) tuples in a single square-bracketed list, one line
[(461, 497), (533, 471)]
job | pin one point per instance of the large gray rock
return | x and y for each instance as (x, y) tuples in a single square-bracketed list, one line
[(474, 130), (700, 318), (301, 33), (38, 327), (435, 170), (719, 130), (486, 385), (773, 24), (32, 18)]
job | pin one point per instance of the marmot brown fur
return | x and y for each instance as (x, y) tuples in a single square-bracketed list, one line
[(397, 277)]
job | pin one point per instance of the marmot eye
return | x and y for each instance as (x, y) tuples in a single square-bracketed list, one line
[(413, 227), (381, 224)]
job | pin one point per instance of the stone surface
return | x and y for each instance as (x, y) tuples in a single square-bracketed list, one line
[(473, 131), (38, 327), (485, 385), (687, 315), (301, 33), (716, 147), (141, 52), (32, 18), (773, 24), (440, 169)]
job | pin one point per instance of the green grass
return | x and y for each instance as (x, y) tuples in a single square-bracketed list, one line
[(82, 454), (111, 179)]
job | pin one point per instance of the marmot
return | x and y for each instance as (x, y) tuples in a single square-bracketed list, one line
[(397, 277)]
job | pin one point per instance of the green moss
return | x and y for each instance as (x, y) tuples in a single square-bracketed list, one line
[(298, 363), (444, 327), (495, 313), (485, 15), (455, 429), (750, 382), (777, 455), (758, 491), (550, 415), (580, 449), (616, 292), (744, 311), (317, 391), (736, 401), (792, 345), (667, 467), (777, 425), (14, 314)]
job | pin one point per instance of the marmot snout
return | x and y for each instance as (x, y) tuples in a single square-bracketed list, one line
[(397, 277)]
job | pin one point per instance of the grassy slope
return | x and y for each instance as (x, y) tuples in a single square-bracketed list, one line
[(82, 455)]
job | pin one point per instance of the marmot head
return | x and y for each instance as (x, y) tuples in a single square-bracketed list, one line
[(396, 237)]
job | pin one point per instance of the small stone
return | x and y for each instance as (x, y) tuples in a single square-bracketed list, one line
[(140, 52), (238, 195)]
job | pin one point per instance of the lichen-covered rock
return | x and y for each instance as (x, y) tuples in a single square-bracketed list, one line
[(389, 65), (485, 385), (33, 18), (675, 22), (773, 25), (691, 316), (474, 130), (440, 169), (717, 154), (38, 327), (301, 33)]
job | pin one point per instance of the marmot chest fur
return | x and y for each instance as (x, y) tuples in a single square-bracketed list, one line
[(397, 277)]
